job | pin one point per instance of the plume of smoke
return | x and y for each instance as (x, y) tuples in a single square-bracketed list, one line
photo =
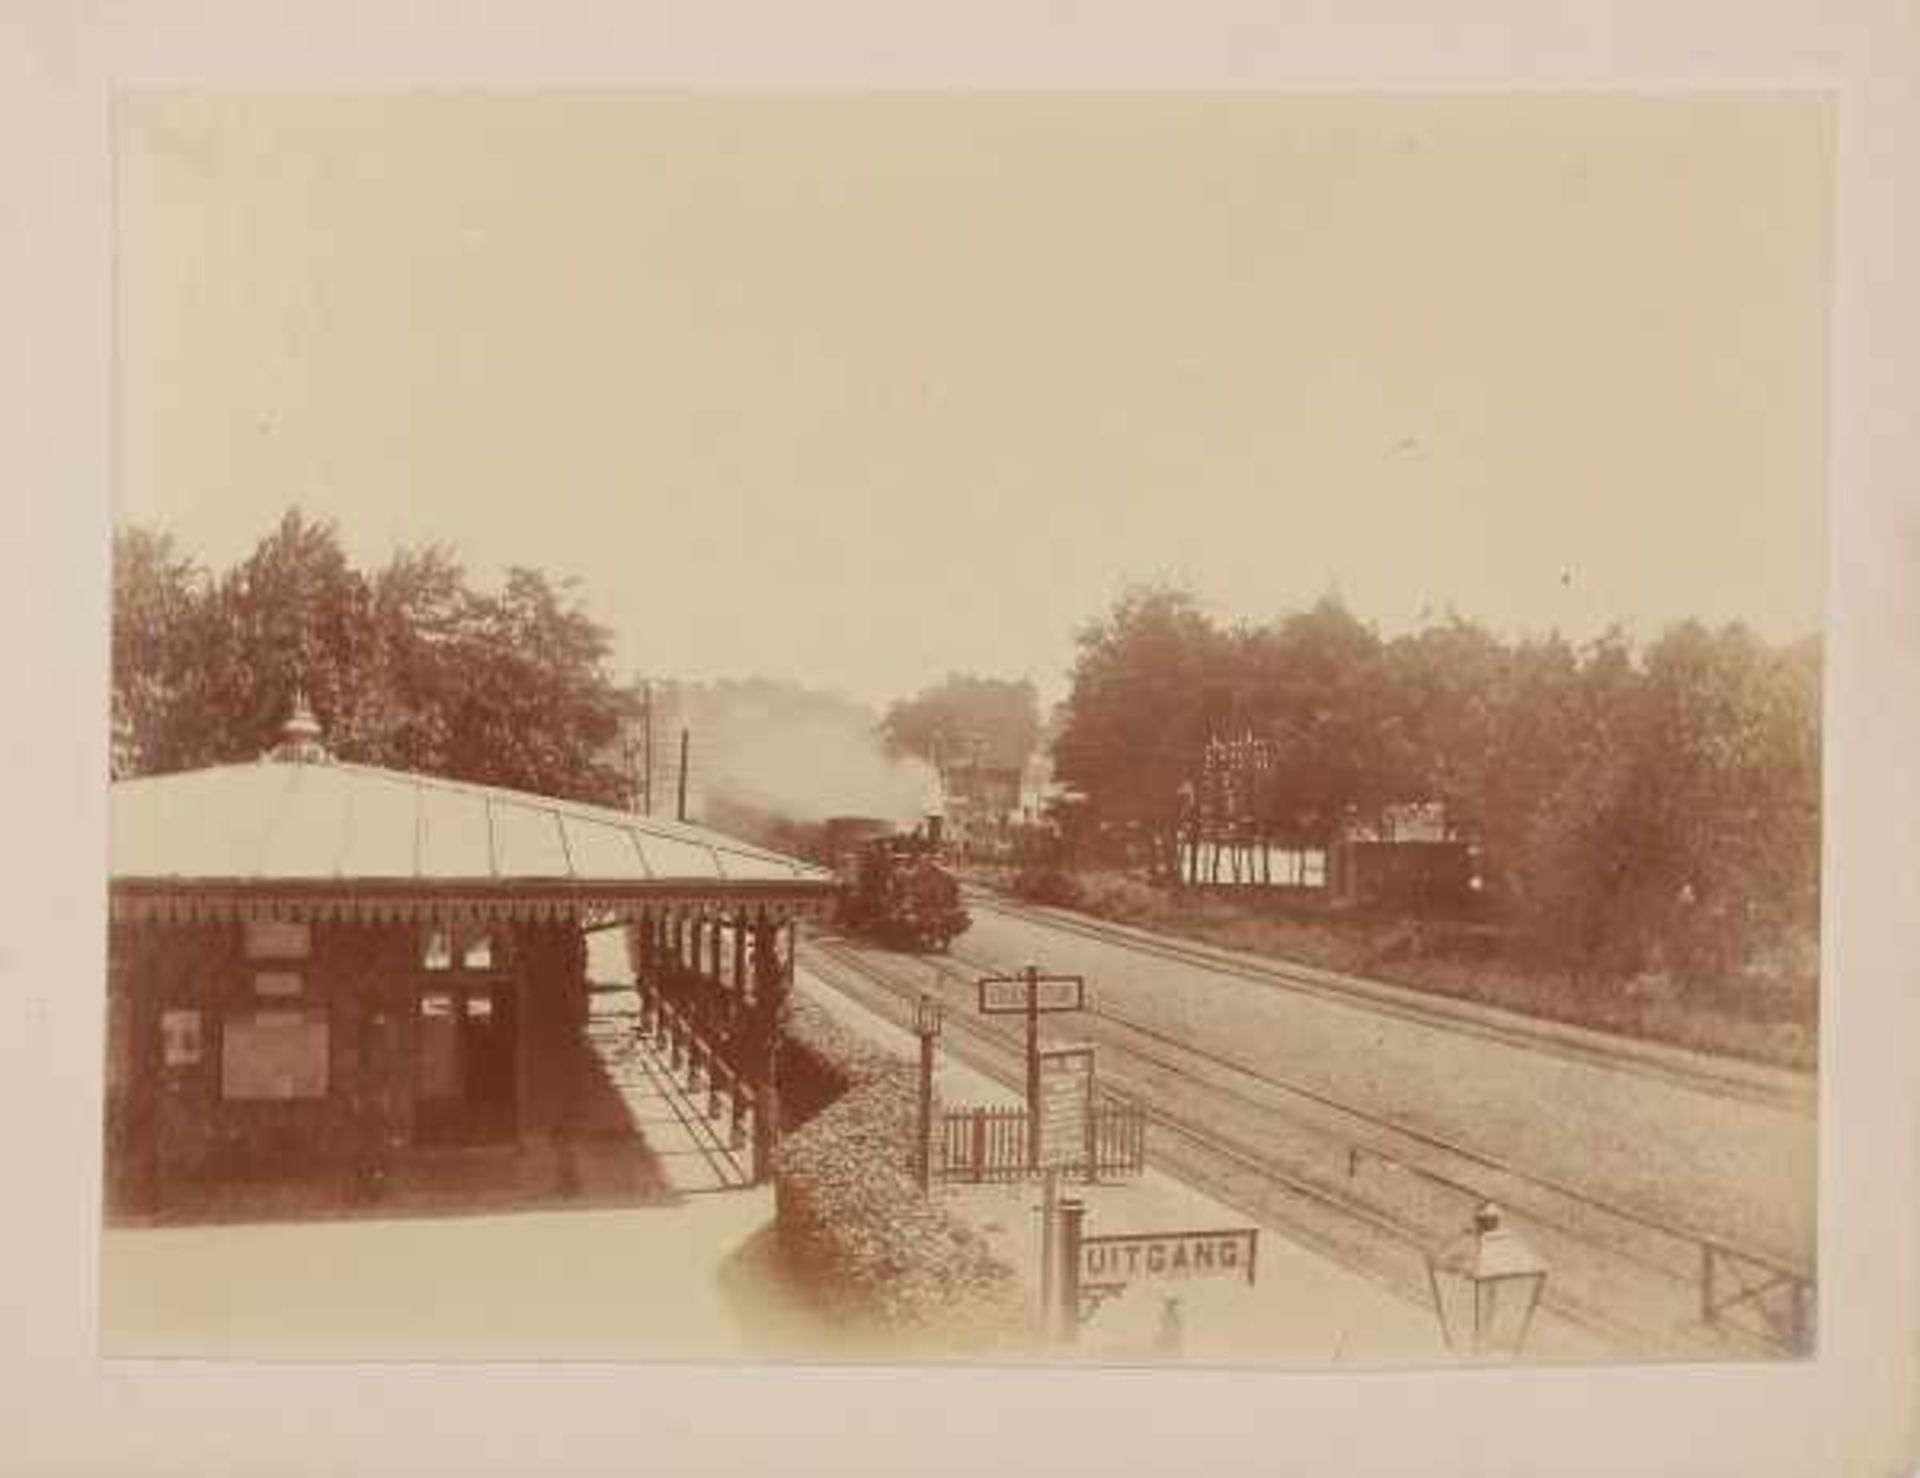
[(797, 754)]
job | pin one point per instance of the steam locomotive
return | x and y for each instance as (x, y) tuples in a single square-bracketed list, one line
[(893, 886)]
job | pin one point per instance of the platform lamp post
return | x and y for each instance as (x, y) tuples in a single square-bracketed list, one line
[(1486, 1286), (926, 1024)]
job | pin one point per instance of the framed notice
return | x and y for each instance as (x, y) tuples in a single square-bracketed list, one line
[(180, 1038), (1066, 1097), (274, 1055)]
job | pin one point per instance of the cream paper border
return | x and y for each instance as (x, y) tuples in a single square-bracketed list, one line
[(63, 1410)]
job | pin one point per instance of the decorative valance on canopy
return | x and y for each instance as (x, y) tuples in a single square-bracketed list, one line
[(200, 902)]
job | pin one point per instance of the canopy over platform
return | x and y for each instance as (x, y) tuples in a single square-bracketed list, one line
[(296, 835)]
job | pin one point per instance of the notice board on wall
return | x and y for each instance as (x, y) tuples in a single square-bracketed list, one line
[(274, 1054)]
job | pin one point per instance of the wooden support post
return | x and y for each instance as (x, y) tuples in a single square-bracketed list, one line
[(766, 1119), (770, 995), (737, 1128), (979, 1144)]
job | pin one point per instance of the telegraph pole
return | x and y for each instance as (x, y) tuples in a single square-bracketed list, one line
[(681, 813)]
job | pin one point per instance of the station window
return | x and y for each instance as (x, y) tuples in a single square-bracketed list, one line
[(278, 939), (463, 948)]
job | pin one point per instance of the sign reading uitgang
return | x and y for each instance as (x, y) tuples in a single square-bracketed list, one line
[(1114, 1262), (1007, 994)]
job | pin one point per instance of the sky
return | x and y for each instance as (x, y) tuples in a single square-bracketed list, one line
[(858, 389)]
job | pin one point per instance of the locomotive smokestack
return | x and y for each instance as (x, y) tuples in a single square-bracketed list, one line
[(934, 823)]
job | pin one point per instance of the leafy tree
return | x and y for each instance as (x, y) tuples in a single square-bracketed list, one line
[(962, 717), (1444, 687), (158, 610), (1727, 809), (1315, 683), (1136, 719), (1633, 809), (410, 669)]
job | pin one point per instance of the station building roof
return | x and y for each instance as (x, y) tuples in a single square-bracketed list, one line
[(297, 834)]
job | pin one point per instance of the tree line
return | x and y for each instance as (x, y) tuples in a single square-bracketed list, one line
[(407, 666), (1635, 806)]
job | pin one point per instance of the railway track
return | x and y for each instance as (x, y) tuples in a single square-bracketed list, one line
[(1769, 1088), (1369, 1192)]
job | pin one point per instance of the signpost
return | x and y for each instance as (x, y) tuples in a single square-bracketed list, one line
[(1104, 1266), (1064, 1109), (1008, 995), (1028, 994), (1059, 1094), (1143, 1257)]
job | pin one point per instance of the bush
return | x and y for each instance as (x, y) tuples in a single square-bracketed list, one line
[(1118, 895), (1054, 886), (852, 1221)]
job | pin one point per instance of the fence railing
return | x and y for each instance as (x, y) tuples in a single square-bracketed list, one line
[(699, 1064), (990, 1144)]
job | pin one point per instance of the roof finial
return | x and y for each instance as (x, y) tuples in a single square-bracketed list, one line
[(300, 741)]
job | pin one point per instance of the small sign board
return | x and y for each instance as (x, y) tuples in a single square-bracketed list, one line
[(180, 1037), (1143, 1257), (1066, 1096), (1007, 994)]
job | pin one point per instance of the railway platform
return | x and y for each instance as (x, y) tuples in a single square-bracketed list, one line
[(1303, 1309)]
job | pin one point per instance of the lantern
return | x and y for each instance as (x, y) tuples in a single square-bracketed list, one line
[(1486, 1286)]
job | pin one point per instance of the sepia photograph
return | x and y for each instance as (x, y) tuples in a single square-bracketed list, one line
[(874, 739), (1126, 728)]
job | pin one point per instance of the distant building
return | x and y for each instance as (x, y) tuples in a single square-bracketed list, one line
[(1413, 857), (981, 800)]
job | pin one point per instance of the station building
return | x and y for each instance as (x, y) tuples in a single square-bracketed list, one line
[(321, 968)]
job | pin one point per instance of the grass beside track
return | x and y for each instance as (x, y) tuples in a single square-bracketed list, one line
[(1764, 1020)]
